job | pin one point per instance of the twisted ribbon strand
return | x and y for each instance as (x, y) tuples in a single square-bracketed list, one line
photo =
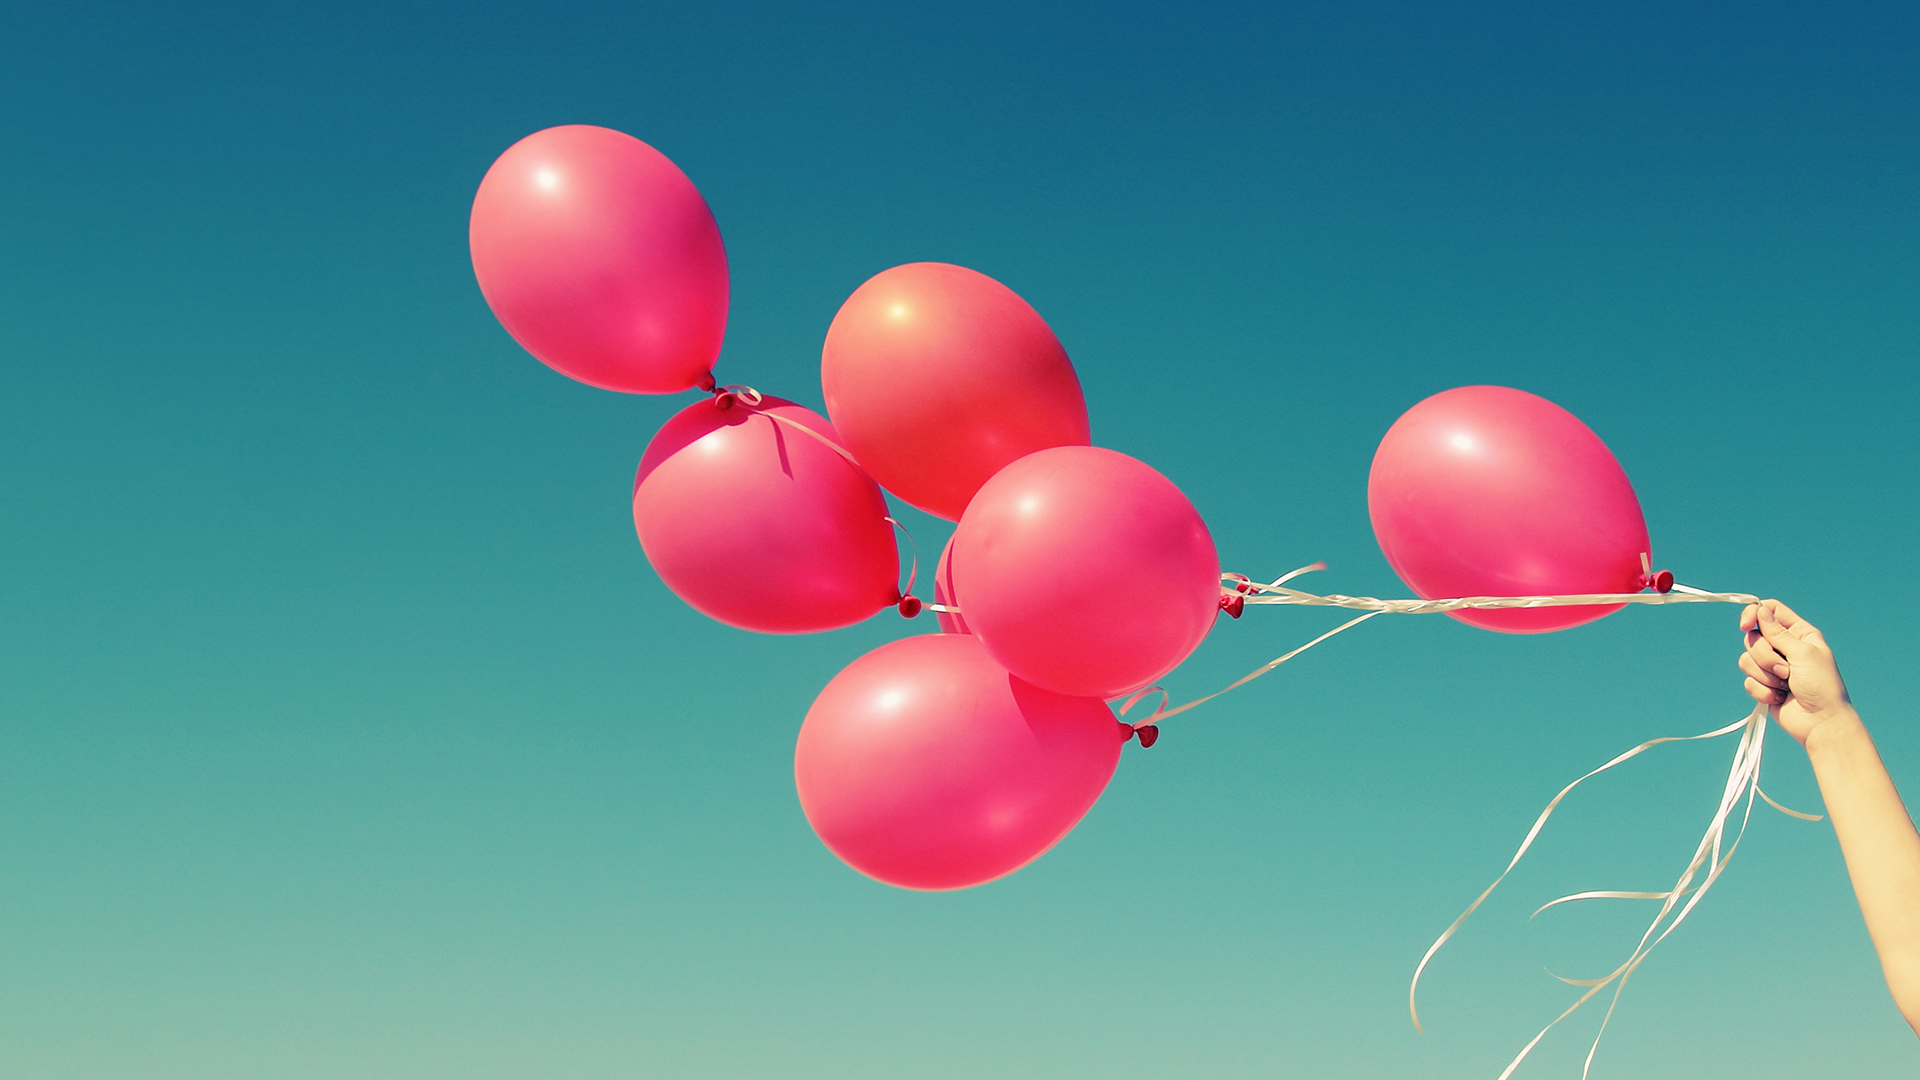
[(1275, 593)]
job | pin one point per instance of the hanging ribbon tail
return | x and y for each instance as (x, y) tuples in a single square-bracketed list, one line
[(1539, 823), (1742, 786), (1789, 813), (1598, 894), (1582, 982)]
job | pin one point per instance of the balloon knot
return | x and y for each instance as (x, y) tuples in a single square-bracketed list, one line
[(1126, 731), (909, 605), (1148, 735), (706, 382), (723, 400), (1661, 582), (1233, 605)]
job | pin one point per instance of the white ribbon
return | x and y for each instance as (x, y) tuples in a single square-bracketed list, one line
[(1743, 784), (1743, 777), (1276, 593)]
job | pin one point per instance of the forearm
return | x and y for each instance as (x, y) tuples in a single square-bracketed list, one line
[(1882, 850)]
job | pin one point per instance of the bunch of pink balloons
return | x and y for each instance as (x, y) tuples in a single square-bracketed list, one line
[(1076, 575), (934, 762)]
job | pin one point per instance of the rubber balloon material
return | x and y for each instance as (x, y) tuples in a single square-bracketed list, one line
[(927, 766), (760, 526), (1085, 571), (938, 376), (951, 622), (601, 259), (1491, 491)]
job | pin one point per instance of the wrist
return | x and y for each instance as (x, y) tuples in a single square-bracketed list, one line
[(1834, 728)]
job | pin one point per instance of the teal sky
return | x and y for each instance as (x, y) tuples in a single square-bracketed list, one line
[(345, 732)]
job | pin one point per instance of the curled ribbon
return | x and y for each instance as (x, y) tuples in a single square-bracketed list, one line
[(1743, 776), (1743, 784)]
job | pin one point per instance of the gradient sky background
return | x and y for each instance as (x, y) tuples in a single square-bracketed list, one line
[(345, 732)]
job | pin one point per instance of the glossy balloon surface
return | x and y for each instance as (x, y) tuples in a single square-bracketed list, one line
[(938, 376), (926, 765), (601, 259), (761, 526), (1085, 571), (1491, 491)]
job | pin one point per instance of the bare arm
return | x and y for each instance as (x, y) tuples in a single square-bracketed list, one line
[(1789, 666)]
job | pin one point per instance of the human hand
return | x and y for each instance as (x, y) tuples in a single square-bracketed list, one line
[(1789, 667)]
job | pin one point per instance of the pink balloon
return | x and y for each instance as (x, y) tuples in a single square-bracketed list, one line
[(601, 259), (1489, 491), (761, 526), (1085, 571), (951, 622), (939, 376), (927, 766)]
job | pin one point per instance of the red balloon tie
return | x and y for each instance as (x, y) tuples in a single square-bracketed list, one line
[(1148, 735), (1233, 605), (1661, 582), (909, 606), (723, 400)]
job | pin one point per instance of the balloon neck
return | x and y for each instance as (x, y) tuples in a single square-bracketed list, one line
[(706, 382)]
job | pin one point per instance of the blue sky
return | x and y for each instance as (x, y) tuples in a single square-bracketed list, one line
[(344, 730)]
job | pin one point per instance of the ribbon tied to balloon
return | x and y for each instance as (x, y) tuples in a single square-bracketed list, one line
[(946, 760)]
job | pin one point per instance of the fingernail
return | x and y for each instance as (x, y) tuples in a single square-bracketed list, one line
[(1783, 671)]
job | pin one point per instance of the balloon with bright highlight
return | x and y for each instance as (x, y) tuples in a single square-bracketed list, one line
[(938, 376), (601, 259), (762, 526), (1490, 491), (926, 765), (1085, 571)]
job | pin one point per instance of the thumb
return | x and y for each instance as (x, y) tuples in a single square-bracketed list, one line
[(1791, 646)]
